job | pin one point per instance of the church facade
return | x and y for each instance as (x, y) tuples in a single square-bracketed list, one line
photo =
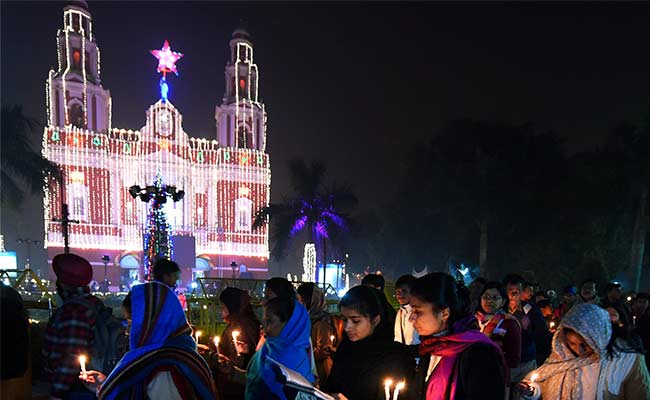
[(225, 180)]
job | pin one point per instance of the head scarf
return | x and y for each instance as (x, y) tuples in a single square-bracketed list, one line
[(449, 347), (160, 336), (292, 349), (236, 300), (317, 306), (565, 376)]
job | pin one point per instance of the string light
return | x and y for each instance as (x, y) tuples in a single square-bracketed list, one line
[(222, 183), (309, 263)]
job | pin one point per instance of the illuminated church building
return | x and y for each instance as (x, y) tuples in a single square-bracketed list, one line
[(226, 180)]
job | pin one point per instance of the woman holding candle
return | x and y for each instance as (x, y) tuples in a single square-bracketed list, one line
[(236, 310), (456, 363), (286, 328), (162, 362), (582, 367), (367, 355), (495, 323), (323, 329)]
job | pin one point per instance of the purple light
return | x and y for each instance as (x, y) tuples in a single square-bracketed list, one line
[(298, 225), (321, 229)]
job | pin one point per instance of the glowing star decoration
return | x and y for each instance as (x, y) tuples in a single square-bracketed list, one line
[(166, 59), (166, 63)]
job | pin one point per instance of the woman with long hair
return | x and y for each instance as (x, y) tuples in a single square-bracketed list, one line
[(367, 355), (457, 362), (585, 365), (162, 362)]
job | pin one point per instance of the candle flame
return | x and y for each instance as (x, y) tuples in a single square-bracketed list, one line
[(216, 340), (400, 385), (388, 382), (235, 334), (199, 333), (332, 338), (82, 359), (533, 378)]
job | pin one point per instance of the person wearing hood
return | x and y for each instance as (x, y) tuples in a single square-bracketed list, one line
[(162, 362), (323, 328), (581, 367), (286, 329)]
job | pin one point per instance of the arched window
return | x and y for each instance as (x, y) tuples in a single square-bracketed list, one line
[(242, 135), (78, 195), (228, 131), (243, 214), (76, 115)]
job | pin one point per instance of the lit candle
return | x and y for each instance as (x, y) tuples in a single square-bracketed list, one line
[(82, 362), (235, 334), (332, 339), (198, 334), (216, 344), (533, 377), (552, 325), (634, 320), (387, 385), (398, 387)]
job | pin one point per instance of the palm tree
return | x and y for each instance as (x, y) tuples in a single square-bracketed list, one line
[(21, 165), (322, 211)]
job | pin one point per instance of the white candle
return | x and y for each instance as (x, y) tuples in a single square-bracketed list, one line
[(387, 385), (235, 334), (332, 339), (82, 362), (398, 387), (634, 320), (198, 334), (216, 344)]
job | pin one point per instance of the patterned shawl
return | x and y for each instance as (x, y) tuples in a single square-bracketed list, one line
[(565, 376), (160, 337)]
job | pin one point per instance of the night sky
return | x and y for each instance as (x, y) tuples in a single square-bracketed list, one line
[(354, 85)]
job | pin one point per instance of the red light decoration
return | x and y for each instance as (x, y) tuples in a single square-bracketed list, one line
[(242, 84)]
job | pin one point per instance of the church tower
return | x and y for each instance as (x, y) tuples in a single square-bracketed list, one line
[(74, 92), (241, 117)]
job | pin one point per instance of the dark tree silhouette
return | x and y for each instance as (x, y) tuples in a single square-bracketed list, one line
[(21, 164)]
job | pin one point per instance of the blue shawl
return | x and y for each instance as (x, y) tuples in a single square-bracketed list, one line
[(160, 336), (291, 348)]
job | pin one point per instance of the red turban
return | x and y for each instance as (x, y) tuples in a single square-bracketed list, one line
[(70, 269)]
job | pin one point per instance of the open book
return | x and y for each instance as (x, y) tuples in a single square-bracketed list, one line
[(296, 381)]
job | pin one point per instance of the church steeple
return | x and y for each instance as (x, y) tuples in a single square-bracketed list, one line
[(241, 118), (75, 94)]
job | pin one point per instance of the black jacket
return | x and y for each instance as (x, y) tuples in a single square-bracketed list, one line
[(360, 368), (481, 374)]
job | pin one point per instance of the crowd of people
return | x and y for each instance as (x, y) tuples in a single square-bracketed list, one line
[(491, 340)]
